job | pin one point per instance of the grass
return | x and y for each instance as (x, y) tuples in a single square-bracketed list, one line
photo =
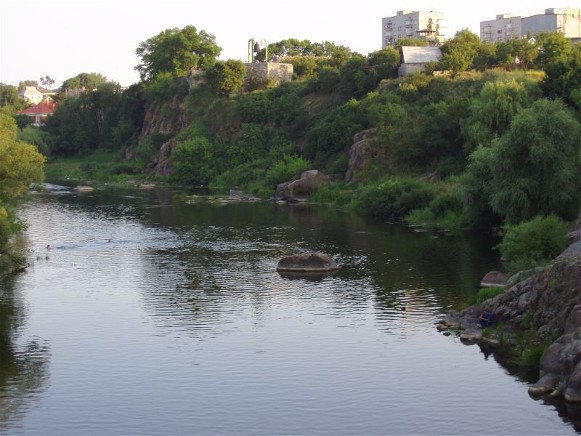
[(101, 166)]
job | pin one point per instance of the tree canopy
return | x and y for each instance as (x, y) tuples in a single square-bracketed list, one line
[(176, 51)]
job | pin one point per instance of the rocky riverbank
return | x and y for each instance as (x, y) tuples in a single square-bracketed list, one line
[(539, 320)]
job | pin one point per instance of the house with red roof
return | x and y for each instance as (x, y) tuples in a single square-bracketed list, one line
[(39, 112)]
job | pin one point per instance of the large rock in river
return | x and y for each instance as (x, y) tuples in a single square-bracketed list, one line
[(307, 262)]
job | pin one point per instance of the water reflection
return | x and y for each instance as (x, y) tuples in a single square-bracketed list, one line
[(186, 327), (23, 361)]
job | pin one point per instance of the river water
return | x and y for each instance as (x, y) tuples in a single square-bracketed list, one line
[(155, 315)]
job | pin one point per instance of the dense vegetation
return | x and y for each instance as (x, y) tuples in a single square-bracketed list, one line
[(495, 142)]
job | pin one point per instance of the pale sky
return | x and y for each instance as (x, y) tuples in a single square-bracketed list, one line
[(65, 38)]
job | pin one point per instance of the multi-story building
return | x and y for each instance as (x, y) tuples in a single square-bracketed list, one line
[(563, 20), (413, 24), (504, 28), (566, 21)]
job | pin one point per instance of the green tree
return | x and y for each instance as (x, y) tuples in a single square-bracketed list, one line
[(176, 51), (552, 47), (227, 78), (491, 112), (191, 161), (9, 97), (563, 78), (411, 42), (384, 63), (83, 81), (47, 81), (20, 165), (535, 167), (459, 53)]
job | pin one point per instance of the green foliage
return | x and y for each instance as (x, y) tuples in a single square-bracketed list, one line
[(444, 212), (394, 198), (411, 42), (459, 53), (9, 97), (83, 81), (533, 242), (35, 136), (175, 52), (192, 161), (333, 132), (285, 169), (552, 47), (535, 167), (487, 293), (563, 77), (20, 165), (226, 78), (491, 112)]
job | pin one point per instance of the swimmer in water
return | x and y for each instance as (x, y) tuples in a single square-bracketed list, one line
[(48, 247)]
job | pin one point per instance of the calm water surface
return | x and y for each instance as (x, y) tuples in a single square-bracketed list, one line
[(155, 316)]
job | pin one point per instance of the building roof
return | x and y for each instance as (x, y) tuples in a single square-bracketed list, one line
[(420, 55), (43, 108)]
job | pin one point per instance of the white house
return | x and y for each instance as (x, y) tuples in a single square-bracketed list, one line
[(414, 59)]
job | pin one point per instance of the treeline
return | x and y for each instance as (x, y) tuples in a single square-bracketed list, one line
[(493, 141), (20, 165)]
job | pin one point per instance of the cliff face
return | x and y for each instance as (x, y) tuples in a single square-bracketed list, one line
[(545, 309), (167, 119)]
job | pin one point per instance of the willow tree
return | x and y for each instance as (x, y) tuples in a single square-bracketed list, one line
[(534, 169)]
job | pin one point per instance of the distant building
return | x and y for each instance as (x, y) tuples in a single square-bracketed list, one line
[(35, 94), (504, 28), (39, 112), (566, 21), (415, 59), (430, 26)]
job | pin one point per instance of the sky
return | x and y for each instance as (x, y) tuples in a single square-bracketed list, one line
[(62, 39)]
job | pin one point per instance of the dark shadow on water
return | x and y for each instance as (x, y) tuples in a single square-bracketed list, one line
[(307, 276)]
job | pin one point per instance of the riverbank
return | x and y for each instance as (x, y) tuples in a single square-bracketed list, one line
[(536, 322)]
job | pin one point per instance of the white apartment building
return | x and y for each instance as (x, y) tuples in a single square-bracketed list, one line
[(504, 28), (562, 20), (413, 24)]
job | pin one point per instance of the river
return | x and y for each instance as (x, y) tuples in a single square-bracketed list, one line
[(154, 315)]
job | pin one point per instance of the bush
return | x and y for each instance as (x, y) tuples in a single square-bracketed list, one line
[(487, 293), (394, 199), (533, 243), (286, 169)]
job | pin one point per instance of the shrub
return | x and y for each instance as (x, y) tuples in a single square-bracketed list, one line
[(533, 243), (487, 293), (394, 199), (286, 169)]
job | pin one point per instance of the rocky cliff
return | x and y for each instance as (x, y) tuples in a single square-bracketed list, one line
[(542, 312)]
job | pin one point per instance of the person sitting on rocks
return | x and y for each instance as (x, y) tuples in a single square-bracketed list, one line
[(485, 319)]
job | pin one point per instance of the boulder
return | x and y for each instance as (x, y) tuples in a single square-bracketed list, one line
[(307, 262), (494, 279), (300, 189)]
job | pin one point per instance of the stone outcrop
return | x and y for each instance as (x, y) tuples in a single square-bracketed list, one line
[(494, 278), (546, 307), (300, 189), (360, 153), (307, 263)]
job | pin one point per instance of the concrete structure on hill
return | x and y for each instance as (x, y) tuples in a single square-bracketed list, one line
[(415, 59), (430, 26), (263, 71)]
